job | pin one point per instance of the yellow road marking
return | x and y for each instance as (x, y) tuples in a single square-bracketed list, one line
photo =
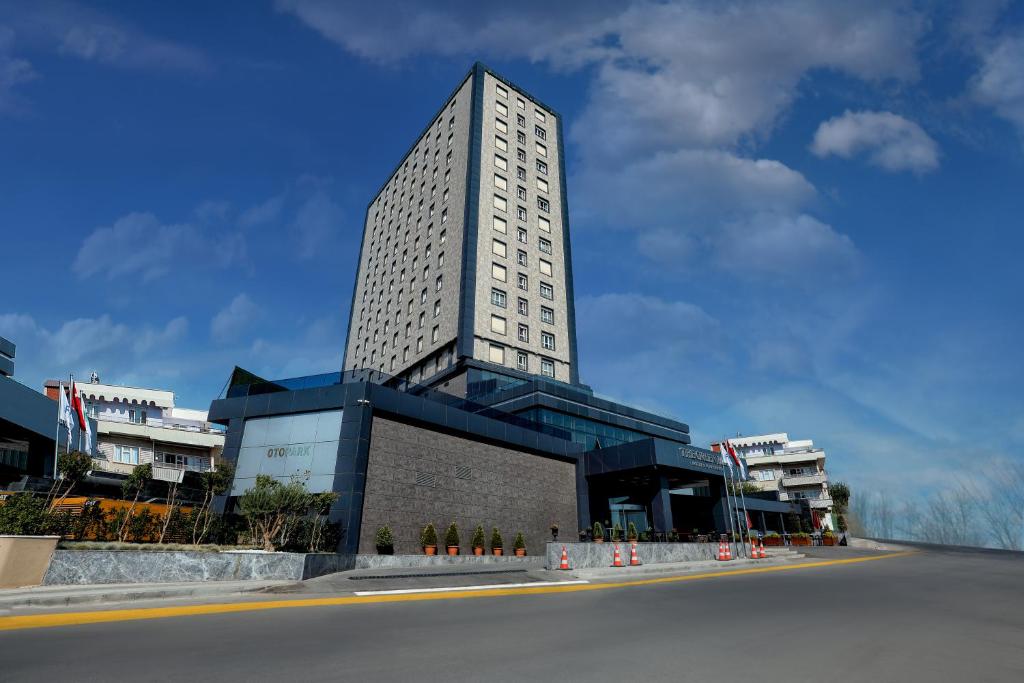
[(98, 617)]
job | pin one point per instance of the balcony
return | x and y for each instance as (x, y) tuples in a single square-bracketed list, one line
[(820, 503), (155, 422), (804, 479)]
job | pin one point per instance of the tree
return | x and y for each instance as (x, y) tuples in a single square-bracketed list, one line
[(172, 507), (23, 514), (747, 488), (214, 483), (1002, 505), (133, 486), (73, 467), (269, 505), (320, 507)]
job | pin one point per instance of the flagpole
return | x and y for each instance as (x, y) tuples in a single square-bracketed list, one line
[(56, 437), (746, 515), (728, 502)]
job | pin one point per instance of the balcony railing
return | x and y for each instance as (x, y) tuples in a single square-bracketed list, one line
[(156, 422), (803, 479)]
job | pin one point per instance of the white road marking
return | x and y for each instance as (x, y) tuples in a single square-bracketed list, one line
[(448, 589)]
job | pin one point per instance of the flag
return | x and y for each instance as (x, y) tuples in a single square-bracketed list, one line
[(65, 415), (726, 460), (83, 422), (750, 525), (741, 464)]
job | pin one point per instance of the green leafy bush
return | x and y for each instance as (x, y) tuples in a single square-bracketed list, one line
[(273, 509), (496, 540), (478, 537), (24, 514), (631, 532), (451, 536), (616, 532), (385, 540), (598, 531), (520, 542), (428, 536)]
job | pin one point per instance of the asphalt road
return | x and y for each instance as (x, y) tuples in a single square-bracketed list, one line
[(930, 616)]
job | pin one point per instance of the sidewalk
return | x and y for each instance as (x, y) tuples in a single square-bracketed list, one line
[(67, 596)]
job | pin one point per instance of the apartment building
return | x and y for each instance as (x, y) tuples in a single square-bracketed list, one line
[(795, 470), (135, 426), (465, 251)]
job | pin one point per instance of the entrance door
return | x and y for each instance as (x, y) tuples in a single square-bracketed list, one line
[(623, 513)]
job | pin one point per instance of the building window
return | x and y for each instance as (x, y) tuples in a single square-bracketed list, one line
[(524, 307), (444, 213), (522, 236), (447, 161), (542, 167), (443, 236), (128, 455), (500, 182), (498, 298), (501, 126), (136, 416), (521, 137), (521, 259), (420, 320), (497, 324), (496, 354), (542, 204), (500, 162), (547, 367), (500, 224), (501, 143), (540, 132), (546, 291), (545, 245), (498, 272), (419, 344), (547, 340), (521, 192), (523, 282), (545, 267), (498, 247), (542, 150), (547, 315), (500, 204), (521, 214), (524, 333), (522, 361), (437, 308), (544, 224), (405, 354), (423, 296), (433, 335), (502, 92), (521, 154), (501, 108), (440, 257), (521, 120), (539, 115), (438, 283), (542, 185)]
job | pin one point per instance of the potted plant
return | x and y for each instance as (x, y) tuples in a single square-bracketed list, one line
[(631, 535), (772, 539), (554, 531), (385, 541), (583, 535), (451, 539), (598, 533), (519, 544), (673, 536), (496, 542), (800, 538), (478, 540), (828, 538), (428, 539), (616, 532)]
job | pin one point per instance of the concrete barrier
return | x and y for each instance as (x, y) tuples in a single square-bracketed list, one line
[(24, 559), (595, 555)]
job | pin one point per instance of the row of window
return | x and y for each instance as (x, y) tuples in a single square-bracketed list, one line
[(499, 325), (499, 298), (496, 354), (500, 273)]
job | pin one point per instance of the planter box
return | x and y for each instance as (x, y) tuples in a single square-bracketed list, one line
[(773, 541), (795, 540), (828, 540), (24, 559)]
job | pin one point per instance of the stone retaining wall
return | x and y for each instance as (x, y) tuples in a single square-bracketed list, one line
[(595, 555), (415, 561), (87, 567)]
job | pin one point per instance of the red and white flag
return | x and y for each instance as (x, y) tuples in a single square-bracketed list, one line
[(740, 463), (83, 421)]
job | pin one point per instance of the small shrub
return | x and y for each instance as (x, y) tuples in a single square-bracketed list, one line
[(631, 532), (598, 530), (520, 542), (428, 536), (23, 514), (385, 541), (673, 536), (478, 537), (451, 537), (772, 534), (616, 532), (496, 540)]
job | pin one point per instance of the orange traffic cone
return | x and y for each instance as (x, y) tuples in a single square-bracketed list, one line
[(728, 550), (724, 553), (753, 549), (634, 561), (761, 553), (565, 559), (617, 560)]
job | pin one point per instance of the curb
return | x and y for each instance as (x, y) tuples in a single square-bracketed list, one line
[(127, 594)]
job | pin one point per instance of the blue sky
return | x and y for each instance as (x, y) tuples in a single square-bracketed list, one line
[(793, 216)]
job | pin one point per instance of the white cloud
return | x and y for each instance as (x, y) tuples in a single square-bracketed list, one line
[(263, 213), (138, 244), (233, 319), (13, 71), (999, 83), (799, 247), (317, 221), (890, 141)]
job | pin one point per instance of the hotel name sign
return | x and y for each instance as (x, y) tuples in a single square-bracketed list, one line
[(707, 461)]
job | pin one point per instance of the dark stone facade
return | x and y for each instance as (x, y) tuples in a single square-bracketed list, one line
[(466, 481)]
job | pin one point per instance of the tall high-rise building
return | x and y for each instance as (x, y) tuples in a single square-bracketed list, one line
[(465, 251)]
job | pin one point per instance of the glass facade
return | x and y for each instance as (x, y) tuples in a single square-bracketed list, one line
[(584, 430)]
